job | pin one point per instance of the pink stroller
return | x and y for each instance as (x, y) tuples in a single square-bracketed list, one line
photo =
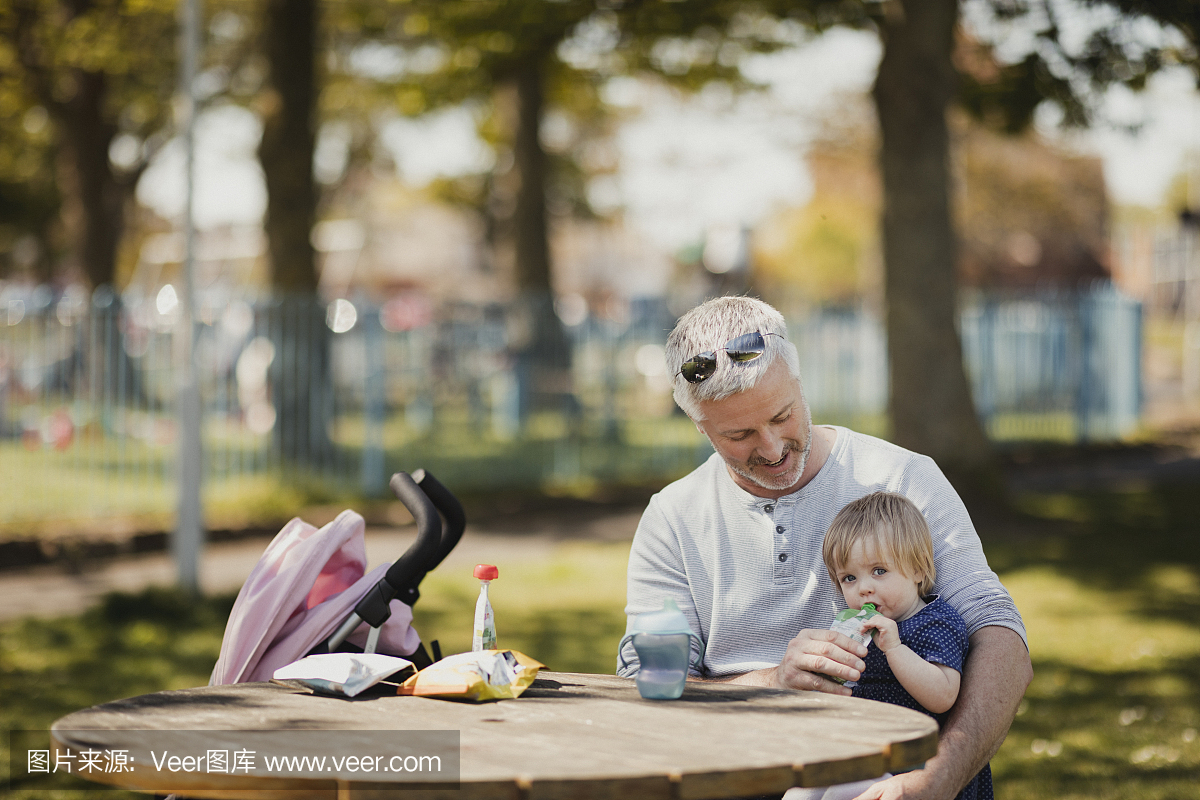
[(308, 593)]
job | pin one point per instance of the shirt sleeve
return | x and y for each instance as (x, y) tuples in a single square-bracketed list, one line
[(655, 573), (964, 579), (938, 638)]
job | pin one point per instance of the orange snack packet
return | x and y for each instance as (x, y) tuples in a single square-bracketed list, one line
[(476, 677)]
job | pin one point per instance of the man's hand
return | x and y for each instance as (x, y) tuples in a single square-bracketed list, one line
[(906, 786), (814, 654), (810, 657)]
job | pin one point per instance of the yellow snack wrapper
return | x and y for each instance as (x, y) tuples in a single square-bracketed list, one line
[(476, 677)]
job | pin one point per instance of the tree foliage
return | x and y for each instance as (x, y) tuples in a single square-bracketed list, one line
[(29, 195), (1075, 51), (103, 71)]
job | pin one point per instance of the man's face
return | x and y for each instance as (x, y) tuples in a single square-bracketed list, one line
[(764, 434)]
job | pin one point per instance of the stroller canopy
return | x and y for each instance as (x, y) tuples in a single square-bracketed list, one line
[(305, 585)]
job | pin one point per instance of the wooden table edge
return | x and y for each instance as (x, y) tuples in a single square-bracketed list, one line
[(679, 785), (694, 785)]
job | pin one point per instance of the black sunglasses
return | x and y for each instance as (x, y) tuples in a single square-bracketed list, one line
[(740, 349)]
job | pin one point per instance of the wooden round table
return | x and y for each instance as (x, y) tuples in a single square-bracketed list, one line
[(569, 736)]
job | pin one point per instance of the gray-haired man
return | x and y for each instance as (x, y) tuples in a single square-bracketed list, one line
[(737, 543)]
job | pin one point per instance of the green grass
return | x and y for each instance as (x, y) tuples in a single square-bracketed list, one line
[(1109, 585), (48, 491), (129, 645), (1113, 711), (1058, 427)]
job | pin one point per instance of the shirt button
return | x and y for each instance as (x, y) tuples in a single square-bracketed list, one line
[(779, 529), (783, 556), (768, 509)]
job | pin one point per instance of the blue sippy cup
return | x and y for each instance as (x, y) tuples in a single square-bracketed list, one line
[(662, 640)]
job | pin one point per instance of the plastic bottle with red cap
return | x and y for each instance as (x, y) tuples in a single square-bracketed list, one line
[(485, 621)]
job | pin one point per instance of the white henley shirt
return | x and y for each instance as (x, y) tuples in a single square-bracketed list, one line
[(747, 570)]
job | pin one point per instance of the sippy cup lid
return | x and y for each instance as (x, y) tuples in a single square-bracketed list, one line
[(669, 620), (486, 572)]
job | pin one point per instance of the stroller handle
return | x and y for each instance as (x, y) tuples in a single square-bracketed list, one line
[(404, 575), (424, 497), (451, 509)]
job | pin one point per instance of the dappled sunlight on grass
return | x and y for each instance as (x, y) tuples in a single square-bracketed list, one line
[(1082, 624), (1115, 508), (130, 645), (1110, 597), (1084, 733)]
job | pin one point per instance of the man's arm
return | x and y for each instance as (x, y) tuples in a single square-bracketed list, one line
[(995, 677), (810, 656)]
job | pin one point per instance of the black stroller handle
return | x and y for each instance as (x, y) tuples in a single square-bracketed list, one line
[(451, 509), (406, 573), (434, 542), (403, 576)]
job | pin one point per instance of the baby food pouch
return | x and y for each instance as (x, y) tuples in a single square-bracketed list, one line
[(850, 623)]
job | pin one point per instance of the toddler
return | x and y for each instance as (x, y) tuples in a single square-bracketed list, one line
[(878, 550)]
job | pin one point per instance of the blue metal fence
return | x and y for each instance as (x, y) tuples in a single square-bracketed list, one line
[(1056, 364), (87, 390)]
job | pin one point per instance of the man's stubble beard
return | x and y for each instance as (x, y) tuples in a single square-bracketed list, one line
[(792, 476)]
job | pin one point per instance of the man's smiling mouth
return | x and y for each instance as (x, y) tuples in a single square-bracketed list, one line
[(777, 463)]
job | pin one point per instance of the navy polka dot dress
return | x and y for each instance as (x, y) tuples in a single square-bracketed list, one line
[(936, 633)]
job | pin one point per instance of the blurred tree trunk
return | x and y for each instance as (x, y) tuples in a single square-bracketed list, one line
[(93, 194), (544, 358), (101, 196), (929, 396), (300, 374), (288, 141), (529, 218)]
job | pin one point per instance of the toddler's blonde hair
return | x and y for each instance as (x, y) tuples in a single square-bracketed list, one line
[(892, 525)]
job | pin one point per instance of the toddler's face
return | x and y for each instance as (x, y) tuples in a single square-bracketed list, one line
[(868, 578)]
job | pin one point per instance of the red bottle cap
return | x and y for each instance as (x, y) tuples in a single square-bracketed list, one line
[(486, 572)]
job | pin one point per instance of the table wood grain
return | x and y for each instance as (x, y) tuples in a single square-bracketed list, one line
[(569, 736)]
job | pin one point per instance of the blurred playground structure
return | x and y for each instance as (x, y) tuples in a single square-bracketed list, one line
[(88, 423)]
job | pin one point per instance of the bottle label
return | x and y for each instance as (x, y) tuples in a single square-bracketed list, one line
[(484, 637)]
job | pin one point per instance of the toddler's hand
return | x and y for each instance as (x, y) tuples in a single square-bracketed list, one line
[(887, 634)]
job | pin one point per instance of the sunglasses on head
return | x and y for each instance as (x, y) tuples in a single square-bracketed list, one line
[(740, 349)]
